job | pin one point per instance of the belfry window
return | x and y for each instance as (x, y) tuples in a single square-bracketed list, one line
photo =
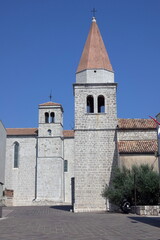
[(46, 117), (90, 104), (16, 155), (52, 118), (101, 104)]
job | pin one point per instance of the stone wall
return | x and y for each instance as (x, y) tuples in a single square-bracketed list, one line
[(50, 179), (147, 210), (69, 156), (2, 158), (22, 179), (128, 160), (91, 76), (94, 161), (50, 162), (106, 120), (134, 134)]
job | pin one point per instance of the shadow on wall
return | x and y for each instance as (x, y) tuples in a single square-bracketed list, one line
[(111, 207), (153, 221), (66, 208)]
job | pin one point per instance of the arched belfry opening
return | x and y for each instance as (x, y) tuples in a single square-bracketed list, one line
[(101, 104), (90, 104), (46, 117), (52, 117)]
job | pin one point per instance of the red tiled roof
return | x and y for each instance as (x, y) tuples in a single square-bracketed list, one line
[(50, 104), (136, 124), (94, 54), (149, 146), (21, 131), (33, 131), (68, 133)]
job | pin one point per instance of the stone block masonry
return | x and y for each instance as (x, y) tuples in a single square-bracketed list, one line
[(95, 159)]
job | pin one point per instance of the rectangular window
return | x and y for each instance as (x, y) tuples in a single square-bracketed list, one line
[(65, 165)]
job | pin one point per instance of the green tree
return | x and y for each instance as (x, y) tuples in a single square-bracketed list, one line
[(125, 182)]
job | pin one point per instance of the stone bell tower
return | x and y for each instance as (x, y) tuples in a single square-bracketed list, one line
[(50, 179), (95, 124)]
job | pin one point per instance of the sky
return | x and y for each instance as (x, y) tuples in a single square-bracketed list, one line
[(41, 42)]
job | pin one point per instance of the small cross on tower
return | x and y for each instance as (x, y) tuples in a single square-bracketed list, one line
[(94, 12), (50, 96)]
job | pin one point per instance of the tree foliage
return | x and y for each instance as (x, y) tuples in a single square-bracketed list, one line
[(141, 180)]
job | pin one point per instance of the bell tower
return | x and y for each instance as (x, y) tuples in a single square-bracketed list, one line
[(95, 123), (50, 153)]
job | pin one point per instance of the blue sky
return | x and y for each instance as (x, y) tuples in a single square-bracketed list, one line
[(41, 42)]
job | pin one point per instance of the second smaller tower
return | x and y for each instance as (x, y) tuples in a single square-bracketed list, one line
[(50, 153)]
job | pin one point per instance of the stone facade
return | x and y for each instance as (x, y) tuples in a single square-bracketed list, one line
[(50, 154), (2, 159), (137, 134), (128, 160), (21, 179), (147, 210), (69, 171)]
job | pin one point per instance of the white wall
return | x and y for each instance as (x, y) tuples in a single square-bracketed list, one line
[(22, 179), (2, 157), (69, 156)]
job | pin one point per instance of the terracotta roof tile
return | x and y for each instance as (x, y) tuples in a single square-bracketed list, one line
[(50, 104), (136, 124), (21, 131), (94, 54), (33, 131), (68, 133), (149, 146)]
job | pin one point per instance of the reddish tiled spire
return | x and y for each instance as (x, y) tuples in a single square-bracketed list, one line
[(94, 54)]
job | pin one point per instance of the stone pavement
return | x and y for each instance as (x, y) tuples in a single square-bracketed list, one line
[(55, 223)]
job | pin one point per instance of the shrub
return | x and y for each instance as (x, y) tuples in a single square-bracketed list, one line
[(141, 180)]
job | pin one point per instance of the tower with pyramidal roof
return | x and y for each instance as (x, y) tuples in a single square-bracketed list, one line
[(95, 124), (49, 165)]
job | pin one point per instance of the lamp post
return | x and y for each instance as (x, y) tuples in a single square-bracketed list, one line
[(135, 195)]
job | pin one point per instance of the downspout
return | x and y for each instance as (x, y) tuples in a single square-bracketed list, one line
[(35, 197)]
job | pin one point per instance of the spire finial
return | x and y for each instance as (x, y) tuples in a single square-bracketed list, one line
[(94, 15), (50, 96)]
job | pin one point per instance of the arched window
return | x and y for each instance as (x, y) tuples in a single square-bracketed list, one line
[(90, 104), (65, 165), (46, 117), (16, 155), (52, 119), (101, 104)]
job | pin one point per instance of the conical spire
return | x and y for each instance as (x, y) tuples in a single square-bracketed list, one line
[(94, 54)]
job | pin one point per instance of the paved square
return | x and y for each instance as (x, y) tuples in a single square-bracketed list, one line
[(55, 223)]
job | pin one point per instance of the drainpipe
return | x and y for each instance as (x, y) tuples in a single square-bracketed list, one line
[(35, 190), (1, 201)]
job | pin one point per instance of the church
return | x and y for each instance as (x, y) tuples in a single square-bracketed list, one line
[(48, 165)]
